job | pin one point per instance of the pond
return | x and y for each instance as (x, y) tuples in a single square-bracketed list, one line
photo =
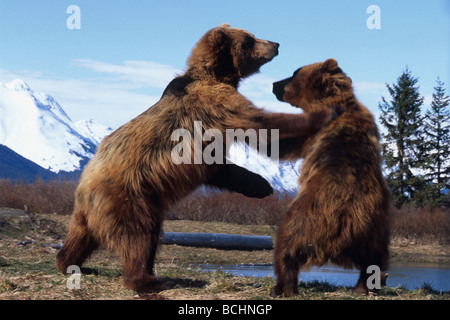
[(409, 276)]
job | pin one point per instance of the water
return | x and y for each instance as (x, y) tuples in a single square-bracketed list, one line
[(408, 276)]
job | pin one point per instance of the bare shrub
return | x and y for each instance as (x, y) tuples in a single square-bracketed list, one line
[(39, 196), (230, 207), (428, 224), (425, 224)]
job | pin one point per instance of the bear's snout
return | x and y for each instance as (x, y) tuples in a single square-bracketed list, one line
[(266, 50), (275, 45), (278, 88)]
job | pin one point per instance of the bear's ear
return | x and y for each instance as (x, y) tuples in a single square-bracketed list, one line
[(218, 38), (343, 81), (225, 25), (331, 66), (337, 84)]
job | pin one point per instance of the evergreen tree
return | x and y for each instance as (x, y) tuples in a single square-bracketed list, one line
[(402, 145), (437, 146)]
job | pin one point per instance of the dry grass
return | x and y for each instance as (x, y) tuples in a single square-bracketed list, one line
[(27, 272)]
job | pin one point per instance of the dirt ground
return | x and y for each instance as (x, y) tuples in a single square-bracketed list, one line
[(29, 243)]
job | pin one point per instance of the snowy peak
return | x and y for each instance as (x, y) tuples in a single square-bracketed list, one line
[(93, 130), (35, 126), (42, 100), (18, 85)]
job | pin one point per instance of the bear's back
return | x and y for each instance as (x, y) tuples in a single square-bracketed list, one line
[(345, 154)]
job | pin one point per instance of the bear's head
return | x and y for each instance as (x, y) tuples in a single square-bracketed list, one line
[(314, 86), (230, 54)]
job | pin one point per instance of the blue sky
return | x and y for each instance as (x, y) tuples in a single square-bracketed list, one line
[(119, 62)]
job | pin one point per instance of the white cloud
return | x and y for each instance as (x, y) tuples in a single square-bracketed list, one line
[(140, 73), (364, 87), (256, 86)]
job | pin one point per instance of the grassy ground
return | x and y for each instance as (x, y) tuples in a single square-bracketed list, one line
[(27, 266)]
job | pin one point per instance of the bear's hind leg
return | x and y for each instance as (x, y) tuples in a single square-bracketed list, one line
[(138, 252), (361, 286), (78, 245), (288, 259), (379, 258), (295, 245), (286, 269)]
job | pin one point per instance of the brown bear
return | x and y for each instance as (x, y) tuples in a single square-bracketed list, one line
[(341, 213), (131, 181)]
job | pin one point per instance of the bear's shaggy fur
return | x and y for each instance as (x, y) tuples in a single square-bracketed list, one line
[(341, 213), (126, 188)]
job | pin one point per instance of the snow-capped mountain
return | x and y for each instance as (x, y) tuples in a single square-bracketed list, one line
[(35, 126), (93, 130)]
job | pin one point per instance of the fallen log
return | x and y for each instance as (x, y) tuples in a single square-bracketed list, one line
[(218, 241)]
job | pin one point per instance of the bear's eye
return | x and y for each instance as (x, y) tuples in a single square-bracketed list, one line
[(249, 42)]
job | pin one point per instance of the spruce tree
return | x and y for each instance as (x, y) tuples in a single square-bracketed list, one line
[(437, 146), (402, 140)]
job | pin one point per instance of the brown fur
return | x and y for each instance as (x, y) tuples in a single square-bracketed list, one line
[(126, 188), (341, 211)]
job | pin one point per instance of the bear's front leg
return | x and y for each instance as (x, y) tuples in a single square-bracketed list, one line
[(234, 178)]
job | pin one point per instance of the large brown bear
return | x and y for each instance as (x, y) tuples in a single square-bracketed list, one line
[(126, 188), (341, 211)]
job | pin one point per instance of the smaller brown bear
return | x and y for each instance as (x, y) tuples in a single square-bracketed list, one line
[(341, 211)]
